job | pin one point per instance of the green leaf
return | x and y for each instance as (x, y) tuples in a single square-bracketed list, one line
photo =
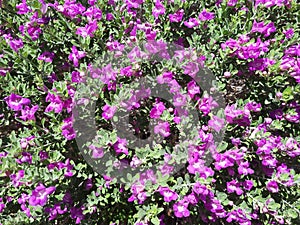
[(293, 213), (287, 94), (155, 220)]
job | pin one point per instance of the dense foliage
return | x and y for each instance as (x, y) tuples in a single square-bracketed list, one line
[(240, 162)]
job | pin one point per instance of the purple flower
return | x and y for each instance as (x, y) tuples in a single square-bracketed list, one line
[(43, 155), (193, 22), (108, 75), (92, 2), (253, 106), (234, 186), (126, 71), (53, 212), (93, 13), (162, 128), (88, 30), (289, 33), (193, 88), (200, 189), (26, 157), (25, 141), (77, 77), (244, 168), (3, 71), (204, 15), (109, 16), (34, 32), (135, 162), (15, 178), (166, 77), (266, 30), (133, 3), (77, 213), (260, 64), (39, 196), (120, 146), (206, 104), (272, 186), (70, 8), (157, 110), (222, 162), (232, 2), (176, 17), (179, 100), (56, 103), (67, 129), (22, 8), (97, 152), (16, 102), (191, 199), (158, 10), (2, 206), (88, 184), (191, 69), (76, 55), (181, 209), (168, 194), (28, 113), (46, 56), (231, 43), (108, 111), (199, 167), (216, 123), (138, 193), (16, 44), (248, 184)]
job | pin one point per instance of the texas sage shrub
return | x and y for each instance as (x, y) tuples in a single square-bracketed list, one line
[(221, 148)]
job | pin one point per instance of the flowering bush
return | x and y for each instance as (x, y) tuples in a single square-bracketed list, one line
[(219, 151)]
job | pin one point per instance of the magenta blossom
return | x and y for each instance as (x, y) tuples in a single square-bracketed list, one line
[(28, 113), (134, 3), (76, 55), (16, 102), (157, 110), (179, 100), (88, 30), (176, 17), (22, 8), (181, 209), (158, 10), (168, 194), (77, 213), (16, 44), (289, 33), (266, 30), (108, 111), (193, 88), (234, 186), (39, 196), (93, 13), (163, 128), (97, 152), (166, 77), (67, 129), (216, 123), (120, 146), (204, 15), (272, 186), (46, 56), (193, 22), (260, 64), (232, 2)]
